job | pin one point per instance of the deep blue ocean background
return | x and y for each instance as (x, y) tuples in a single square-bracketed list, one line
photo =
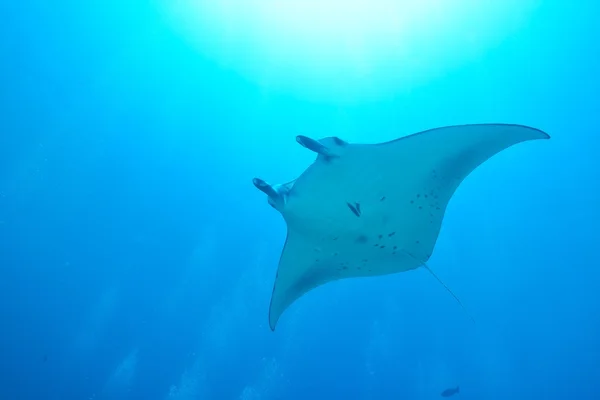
[(137, 259)]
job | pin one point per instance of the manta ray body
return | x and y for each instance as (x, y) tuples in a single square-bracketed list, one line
[(374, 209)]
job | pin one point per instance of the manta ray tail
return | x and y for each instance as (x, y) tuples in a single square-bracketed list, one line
[(424, 264), (449, 291)]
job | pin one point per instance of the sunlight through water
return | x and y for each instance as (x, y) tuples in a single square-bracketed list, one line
[(345, 50)]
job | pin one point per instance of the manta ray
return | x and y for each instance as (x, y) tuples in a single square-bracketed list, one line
[(374, 209)]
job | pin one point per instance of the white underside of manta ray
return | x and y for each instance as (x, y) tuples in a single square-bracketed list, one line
[(374, 209)]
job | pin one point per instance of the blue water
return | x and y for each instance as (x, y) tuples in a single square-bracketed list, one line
[(137, 259)]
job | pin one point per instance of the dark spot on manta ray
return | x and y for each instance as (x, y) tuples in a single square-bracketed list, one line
[(395, 247), (420, 207), (382, 199), (382, 247), (355, 209), (362, 239), (380, 236), (418, 195), (391, 234), (412, 202)]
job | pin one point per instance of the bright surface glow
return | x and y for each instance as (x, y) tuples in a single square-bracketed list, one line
[(345, 48)]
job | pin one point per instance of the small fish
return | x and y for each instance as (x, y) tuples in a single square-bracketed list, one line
[(450, 392)]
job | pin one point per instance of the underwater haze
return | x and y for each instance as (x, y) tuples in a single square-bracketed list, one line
[(137, 259)]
